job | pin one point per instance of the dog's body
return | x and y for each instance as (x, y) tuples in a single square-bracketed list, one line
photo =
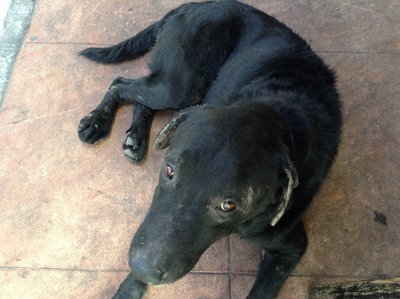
[(269, 122)]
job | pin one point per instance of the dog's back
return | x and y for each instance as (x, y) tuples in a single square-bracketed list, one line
[(264, 61)]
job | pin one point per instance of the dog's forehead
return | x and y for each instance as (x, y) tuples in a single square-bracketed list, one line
[(204, 159), (202, 153), (224, 167), (198, 137), (234, 126), (222, 144)]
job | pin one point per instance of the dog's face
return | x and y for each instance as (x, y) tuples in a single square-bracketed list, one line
[(224, 167)]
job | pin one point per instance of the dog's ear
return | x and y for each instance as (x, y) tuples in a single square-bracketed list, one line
[(289, 182), (163, 138)]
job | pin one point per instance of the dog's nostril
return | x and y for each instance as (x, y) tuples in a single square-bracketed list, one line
[(141, 241)]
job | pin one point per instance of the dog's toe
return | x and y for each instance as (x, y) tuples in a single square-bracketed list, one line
[(94, 127), (86, 130), (130, 142)]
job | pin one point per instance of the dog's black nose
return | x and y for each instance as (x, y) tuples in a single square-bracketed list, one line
[(144, 271)]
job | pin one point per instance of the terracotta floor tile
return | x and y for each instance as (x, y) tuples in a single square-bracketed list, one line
[(245, 256), (98, 22), (23, 284), (241, 285), (199, 286), (39, 284), (66, 205), (73, 205), (347, 25), (52, 78), (215, 259), (363, 183), (328, 25)]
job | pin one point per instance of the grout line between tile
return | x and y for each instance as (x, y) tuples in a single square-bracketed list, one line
[(230, 266), (68, 43), (317, 51), (8, 268), (14, 124), (230, 273), (223, 272), (359, 52), (341, 276)]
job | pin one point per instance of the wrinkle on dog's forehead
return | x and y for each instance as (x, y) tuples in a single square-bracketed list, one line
[(250, 196), (250, 200)]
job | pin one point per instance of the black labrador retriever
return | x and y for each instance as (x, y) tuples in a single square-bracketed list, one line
[(247, 160)]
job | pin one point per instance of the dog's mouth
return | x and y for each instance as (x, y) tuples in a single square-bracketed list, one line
[(157, 277), (154, 275)]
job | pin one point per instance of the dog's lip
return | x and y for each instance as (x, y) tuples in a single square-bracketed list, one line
[(148, 279), (164, 277)]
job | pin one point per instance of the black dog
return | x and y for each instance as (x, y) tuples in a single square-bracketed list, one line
[(269, 122)]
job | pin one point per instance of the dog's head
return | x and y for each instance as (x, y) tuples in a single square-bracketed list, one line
[(224, 167)]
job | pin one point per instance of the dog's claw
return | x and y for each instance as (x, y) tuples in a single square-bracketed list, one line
[(129, 141), (129, 154)]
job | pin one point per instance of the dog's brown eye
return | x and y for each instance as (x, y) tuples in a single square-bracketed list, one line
[(227, 205), (169, 171)]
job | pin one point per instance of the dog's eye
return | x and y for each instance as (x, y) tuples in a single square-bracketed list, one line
[(169, 171), (227, 205)]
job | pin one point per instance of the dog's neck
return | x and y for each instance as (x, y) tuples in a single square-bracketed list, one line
[(297, 121)]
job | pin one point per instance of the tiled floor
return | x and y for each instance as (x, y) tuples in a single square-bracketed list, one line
[(69, 210)]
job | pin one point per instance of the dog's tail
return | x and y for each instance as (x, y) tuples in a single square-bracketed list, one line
[(131, 48)]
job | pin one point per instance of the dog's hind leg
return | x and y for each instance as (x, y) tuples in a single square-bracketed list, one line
[(281, 256)]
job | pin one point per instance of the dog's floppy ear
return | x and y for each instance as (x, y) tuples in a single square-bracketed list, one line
[(163, 138), (291, 182)]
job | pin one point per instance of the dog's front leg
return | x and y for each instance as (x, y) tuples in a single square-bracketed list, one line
[(136, 140), (281, 256), (130, 288)]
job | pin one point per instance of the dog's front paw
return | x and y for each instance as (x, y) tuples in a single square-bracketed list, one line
[(135, 146), (94, 126), (130, 288)]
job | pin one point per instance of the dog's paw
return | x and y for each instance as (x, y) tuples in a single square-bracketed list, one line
[(135, 146), (130, 288), (94, 126)]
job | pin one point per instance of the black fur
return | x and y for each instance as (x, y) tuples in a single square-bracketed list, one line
[(248, 160)]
